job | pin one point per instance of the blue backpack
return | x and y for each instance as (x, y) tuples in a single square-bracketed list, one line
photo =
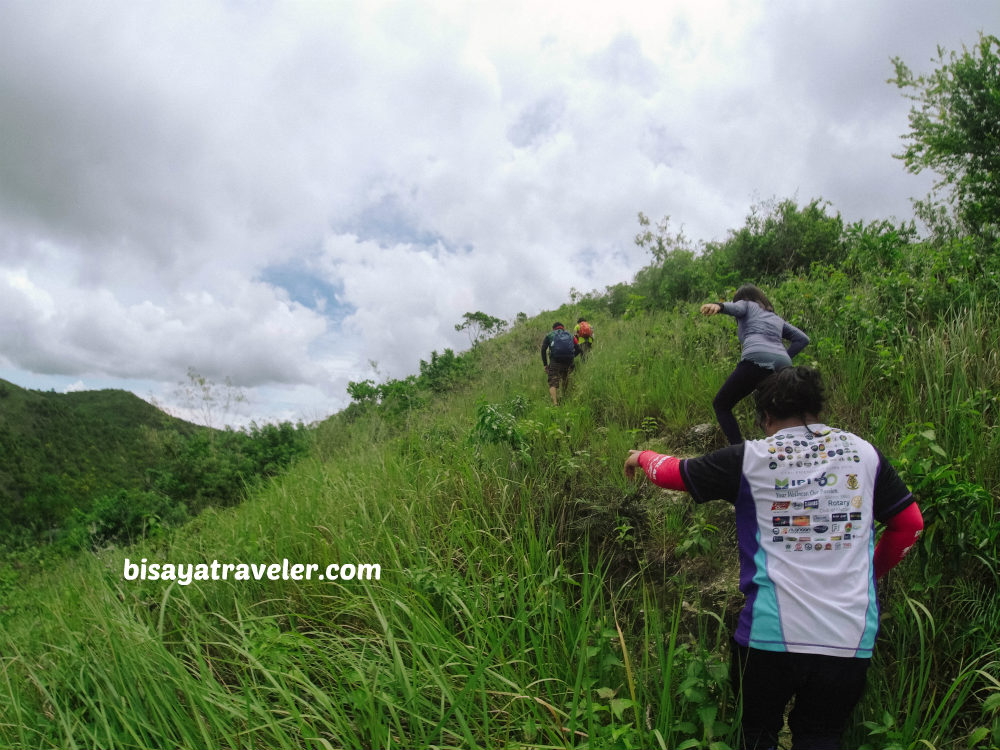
[(562, 348)]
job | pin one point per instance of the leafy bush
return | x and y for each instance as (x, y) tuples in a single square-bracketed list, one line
[(122, 517)]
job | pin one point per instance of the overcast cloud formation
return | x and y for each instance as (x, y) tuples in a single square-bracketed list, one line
[(281, 192)]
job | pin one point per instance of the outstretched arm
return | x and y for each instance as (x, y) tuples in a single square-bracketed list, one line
[(664, 471)]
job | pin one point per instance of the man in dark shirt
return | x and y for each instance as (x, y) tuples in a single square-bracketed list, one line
[(559, 346)]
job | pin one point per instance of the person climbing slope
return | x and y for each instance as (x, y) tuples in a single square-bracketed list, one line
[(584, 337), (806, 499), (560, 346), (761, 334)]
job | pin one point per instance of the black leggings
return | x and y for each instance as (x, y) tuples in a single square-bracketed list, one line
[(826, 689), (743, 381)]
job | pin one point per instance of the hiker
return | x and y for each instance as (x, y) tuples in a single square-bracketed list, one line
[(584, 337), (561, 347), (805, 499), (760, 332)]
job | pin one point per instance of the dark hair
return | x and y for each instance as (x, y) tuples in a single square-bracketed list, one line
[(557, 325), (790, 392), (580, 320), (752, 294)]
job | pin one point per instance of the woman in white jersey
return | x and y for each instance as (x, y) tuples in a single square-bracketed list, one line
[(806, 500)]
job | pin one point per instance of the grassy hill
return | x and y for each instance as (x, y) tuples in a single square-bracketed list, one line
[(82, 470), (531, 596), (58, 451)]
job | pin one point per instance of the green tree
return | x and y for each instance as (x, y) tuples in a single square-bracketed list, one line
[(955, 129), (778, 239), (480, 326), (676, 272)]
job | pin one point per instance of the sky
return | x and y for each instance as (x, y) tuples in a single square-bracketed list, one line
[(288, 196)]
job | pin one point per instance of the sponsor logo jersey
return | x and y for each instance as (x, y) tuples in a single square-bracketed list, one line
[(805, 530)]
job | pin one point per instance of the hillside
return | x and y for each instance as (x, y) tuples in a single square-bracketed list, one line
[(82, 470), (59, 450), (530, 595)]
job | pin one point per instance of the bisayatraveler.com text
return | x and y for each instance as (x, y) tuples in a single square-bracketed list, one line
[(187, 573)]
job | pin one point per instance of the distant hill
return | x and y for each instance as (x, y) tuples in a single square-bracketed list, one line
[(60, 450)]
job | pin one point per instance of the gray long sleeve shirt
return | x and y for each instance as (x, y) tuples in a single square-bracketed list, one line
[(762, 334)]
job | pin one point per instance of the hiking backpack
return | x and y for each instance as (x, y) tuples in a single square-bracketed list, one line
[(562, 347), (585, 330)]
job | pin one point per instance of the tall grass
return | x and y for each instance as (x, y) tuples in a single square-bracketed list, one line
[(478, 633)]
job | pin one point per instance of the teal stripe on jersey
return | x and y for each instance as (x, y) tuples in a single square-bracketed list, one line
[(765, 627), (871, 615)]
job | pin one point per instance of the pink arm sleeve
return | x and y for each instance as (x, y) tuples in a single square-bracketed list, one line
[(664, 471), (901, 533)]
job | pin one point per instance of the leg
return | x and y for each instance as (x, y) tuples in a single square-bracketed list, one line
[(556, 377), (830, 688), (762, 684), (740, 384), (565, 377)]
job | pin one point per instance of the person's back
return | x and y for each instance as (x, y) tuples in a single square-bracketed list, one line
[(584, 336), (761, 332), (805, 513), (561, 346)]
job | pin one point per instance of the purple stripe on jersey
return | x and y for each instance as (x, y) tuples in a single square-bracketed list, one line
[(748, 541), (692, 488), (888, 513)]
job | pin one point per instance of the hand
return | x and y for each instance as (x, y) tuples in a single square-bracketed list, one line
[(711, 308), (631, 464)]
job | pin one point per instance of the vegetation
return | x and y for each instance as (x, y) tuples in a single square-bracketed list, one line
[(530, 595), (953, 129), (86, 469), (480, 326)]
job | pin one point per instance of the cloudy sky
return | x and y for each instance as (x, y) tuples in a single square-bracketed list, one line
[(280, 193)]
